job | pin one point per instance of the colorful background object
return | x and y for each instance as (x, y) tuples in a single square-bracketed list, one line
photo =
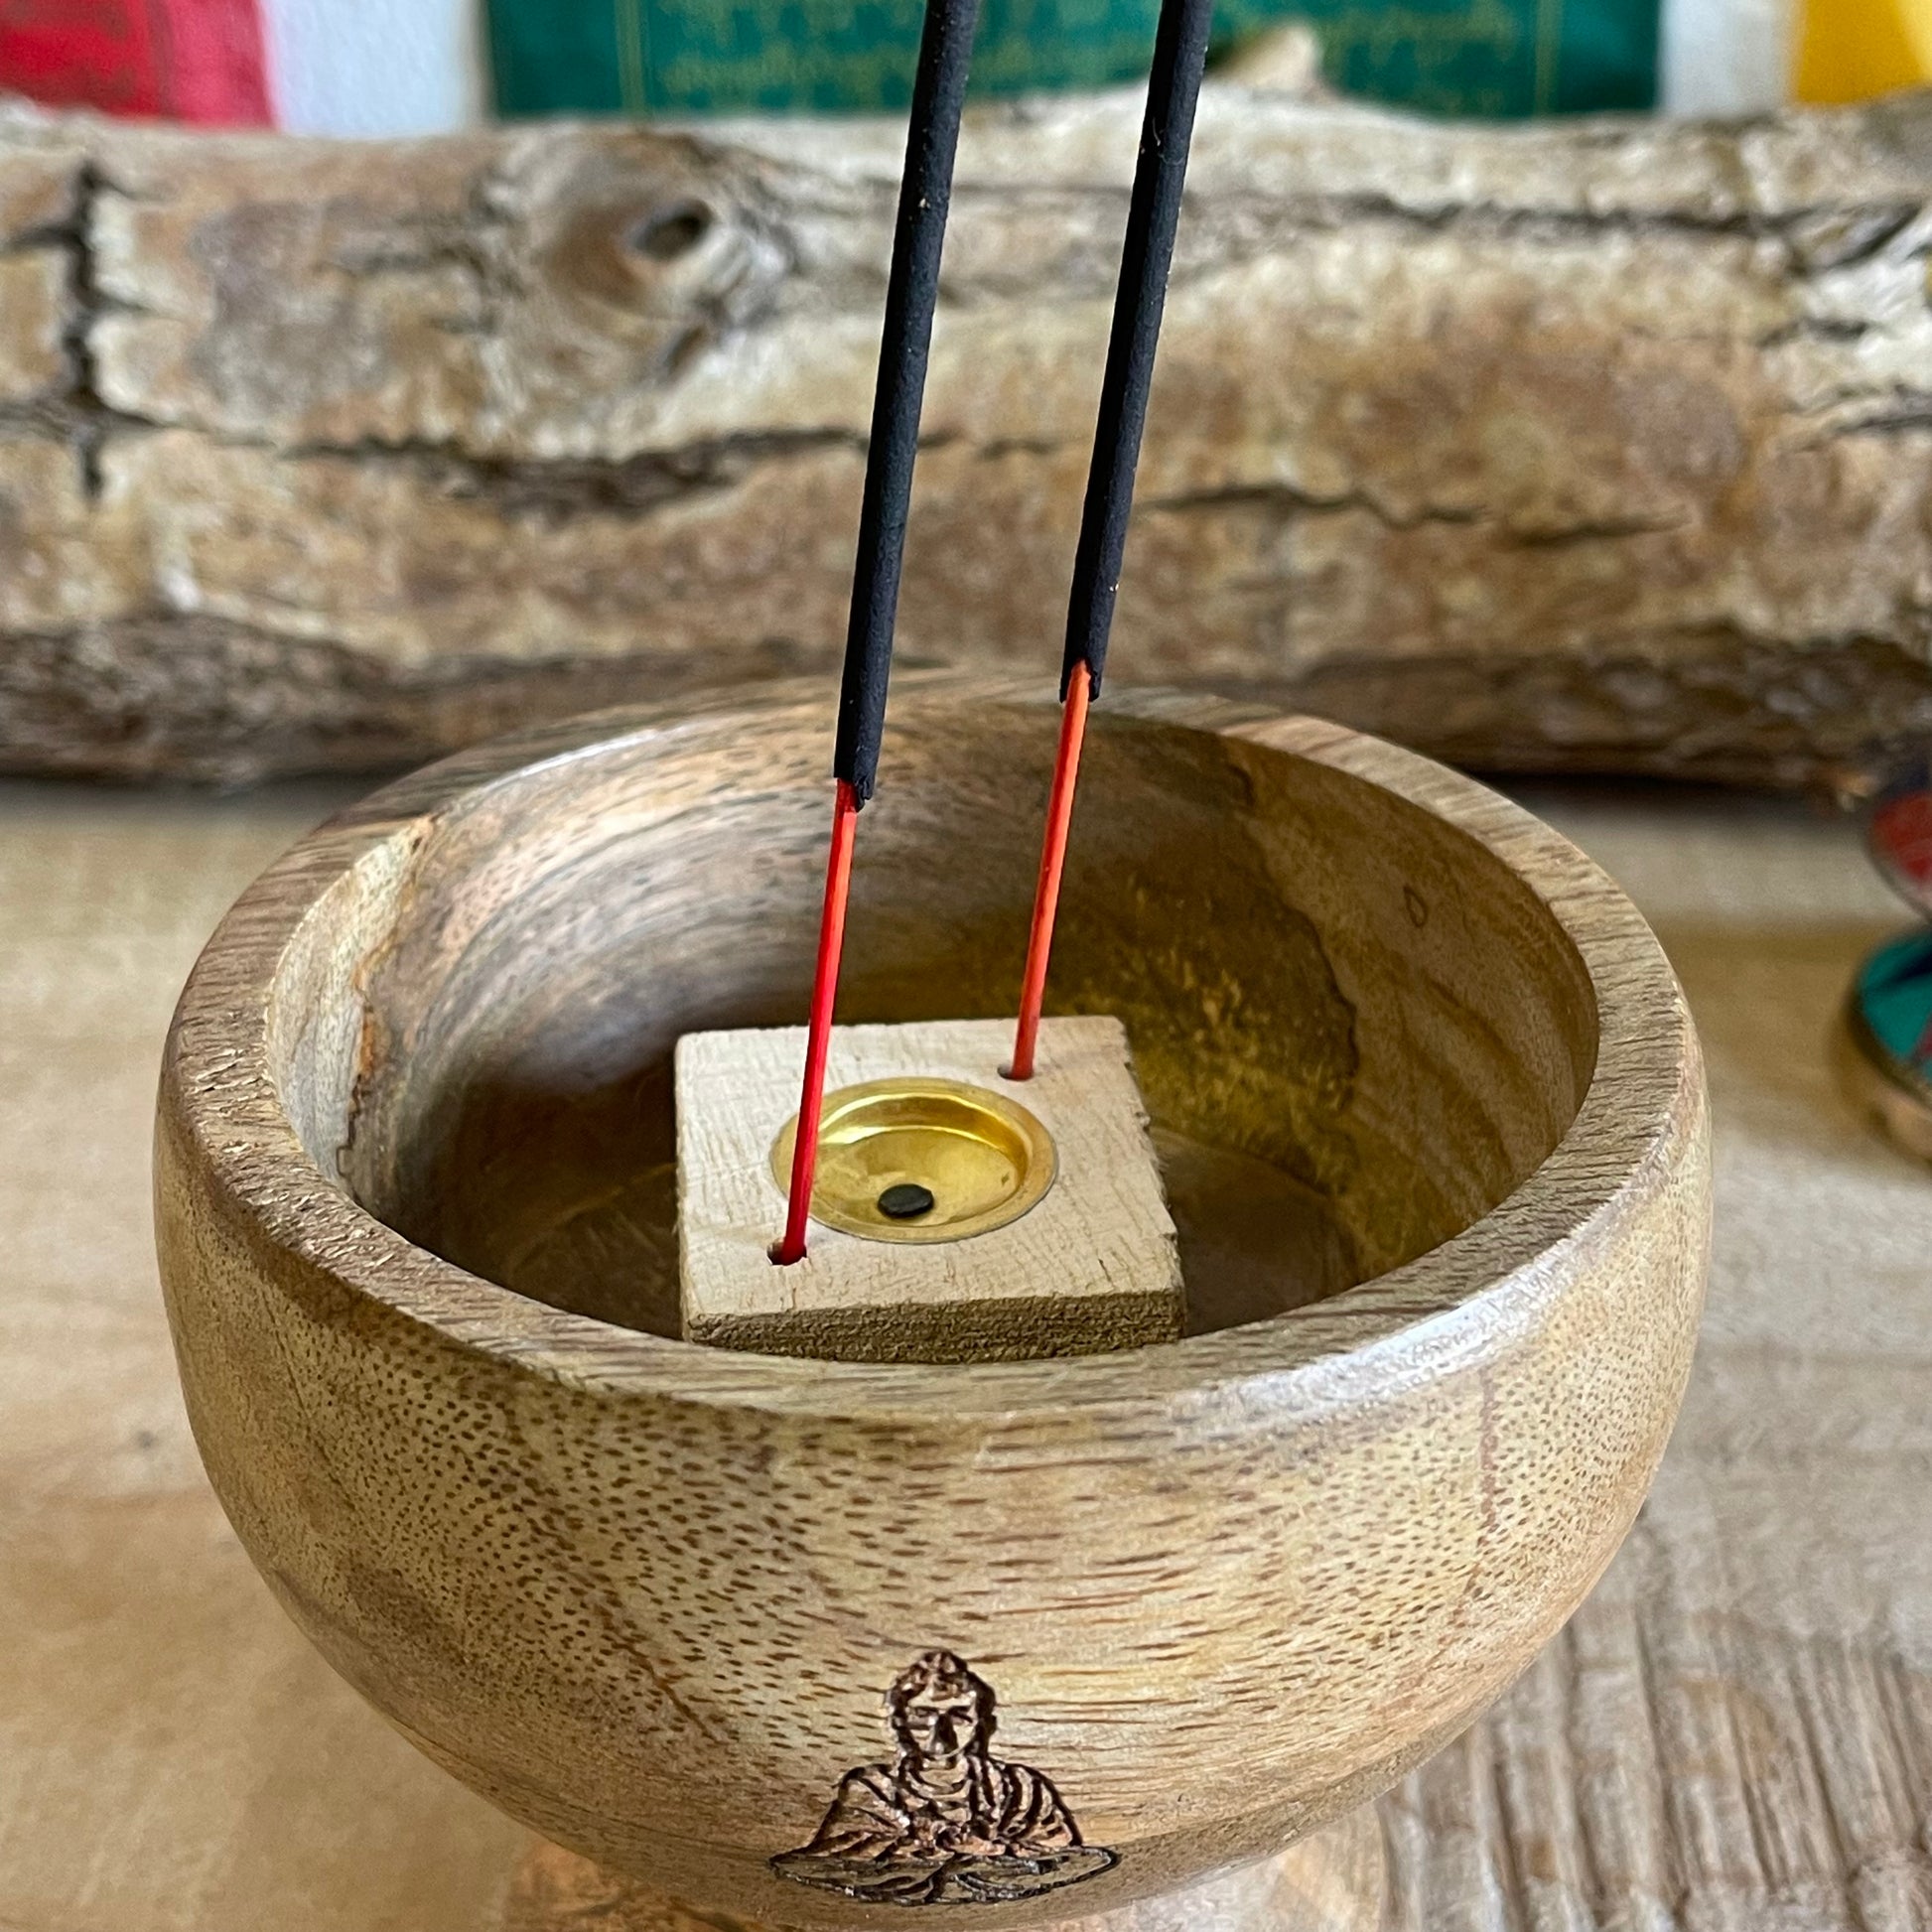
[(1851, 50), (1459, 56), (415, 67), (1895, 998), (184, 60), (1899, 834)]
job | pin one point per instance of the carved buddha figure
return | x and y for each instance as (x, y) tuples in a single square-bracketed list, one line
[(946, 1822)]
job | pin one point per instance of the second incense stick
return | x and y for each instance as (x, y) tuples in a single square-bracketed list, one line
[(1167, 128)]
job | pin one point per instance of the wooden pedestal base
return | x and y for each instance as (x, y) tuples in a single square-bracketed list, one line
[(1334, 1881)]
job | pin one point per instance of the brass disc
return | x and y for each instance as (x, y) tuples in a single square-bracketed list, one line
[(983, 1158)]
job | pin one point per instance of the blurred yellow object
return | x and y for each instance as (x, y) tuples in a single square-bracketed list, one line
[(1850, 50)]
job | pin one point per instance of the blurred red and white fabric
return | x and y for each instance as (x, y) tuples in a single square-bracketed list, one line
[(186, 60), (310, 66)]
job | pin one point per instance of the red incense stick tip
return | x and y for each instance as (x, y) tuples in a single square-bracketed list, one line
[(1052, 860), (818, 1039)]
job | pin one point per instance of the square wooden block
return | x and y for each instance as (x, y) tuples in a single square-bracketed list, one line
[(1090, 1265)]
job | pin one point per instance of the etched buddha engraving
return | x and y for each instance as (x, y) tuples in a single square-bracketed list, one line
[(946, 1823)]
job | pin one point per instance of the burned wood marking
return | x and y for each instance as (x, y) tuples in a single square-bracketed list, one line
[(946, 1823)]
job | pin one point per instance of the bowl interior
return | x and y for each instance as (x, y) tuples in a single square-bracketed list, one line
[(1356, 1030)]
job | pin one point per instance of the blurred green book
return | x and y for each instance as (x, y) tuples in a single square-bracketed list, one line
[(1491, 58)]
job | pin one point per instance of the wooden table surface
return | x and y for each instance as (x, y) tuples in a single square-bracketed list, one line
[(1734, 1736)]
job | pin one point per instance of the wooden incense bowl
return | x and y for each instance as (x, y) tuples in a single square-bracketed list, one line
[(1432, 1121)]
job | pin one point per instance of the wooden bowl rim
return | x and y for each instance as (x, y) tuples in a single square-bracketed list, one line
[(1624, 1145)]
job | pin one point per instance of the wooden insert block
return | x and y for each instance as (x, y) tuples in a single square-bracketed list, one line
[(959, 1216)]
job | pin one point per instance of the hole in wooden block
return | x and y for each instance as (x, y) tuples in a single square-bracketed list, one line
[(1047, 1232)]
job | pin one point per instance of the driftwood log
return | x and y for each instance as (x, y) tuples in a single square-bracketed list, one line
[(1601, 446)]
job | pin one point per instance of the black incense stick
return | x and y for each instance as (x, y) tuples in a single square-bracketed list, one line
[(925, 190), (1153, 213), (911, 289), (1173, 90)]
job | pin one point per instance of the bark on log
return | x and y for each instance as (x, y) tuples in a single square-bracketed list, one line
[(1590, 446)]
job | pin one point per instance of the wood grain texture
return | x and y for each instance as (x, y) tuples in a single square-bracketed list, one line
[(1093, 1266), (1592, 446), (650, 1596), (1731, 1732)]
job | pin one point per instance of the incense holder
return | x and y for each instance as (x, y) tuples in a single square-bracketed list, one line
[(1037, 1227), (829, 1643)]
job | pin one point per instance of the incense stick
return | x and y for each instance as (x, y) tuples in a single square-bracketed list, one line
[(924, 194), (1052, 861), (1167, 128)]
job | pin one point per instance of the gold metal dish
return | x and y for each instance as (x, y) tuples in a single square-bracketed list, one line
[(983, 1158)]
